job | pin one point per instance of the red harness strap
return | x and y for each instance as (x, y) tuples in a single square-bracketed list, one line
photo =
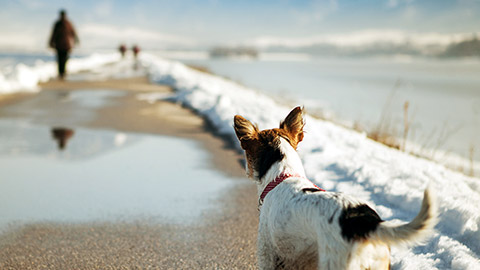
[(279, 179)]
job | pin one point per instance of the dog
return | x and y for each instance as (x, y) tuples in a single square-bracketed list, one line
[(304, 227)]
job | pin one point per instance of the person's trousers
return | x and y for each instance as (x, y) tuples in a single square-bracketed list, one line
[(62, 57)]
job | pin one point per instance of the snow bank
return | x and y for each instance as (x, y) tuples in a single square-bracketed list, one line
[(343, 160), (23, 78)]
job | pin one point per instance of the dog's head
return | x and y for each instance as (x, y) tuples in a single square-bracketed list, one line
[(263, 148)]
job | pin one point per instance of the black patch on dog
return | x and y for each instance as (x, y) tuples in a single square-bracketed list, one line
[(358, 221), (305, 190), (267, 158), (279, 263)]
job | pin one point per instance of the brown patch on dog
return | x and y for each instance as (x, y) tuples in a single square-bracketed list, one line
[(293, 126), (262, 148), (247, 134), (383, 260), (245, 130)]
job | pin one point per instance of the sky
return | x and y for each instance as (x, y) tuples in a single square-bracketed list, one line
[(162, 24)]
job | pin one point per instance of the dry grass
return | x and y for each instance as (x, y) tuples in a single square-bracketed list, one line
[(386, 133), (201, 69), (406, 125), (471, 157)]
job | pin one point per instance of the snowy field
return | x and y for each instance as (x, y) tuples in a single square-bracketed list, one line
[(335, 158)]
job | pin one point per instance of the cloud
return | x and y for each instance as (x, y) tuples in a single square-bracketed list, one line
[(31, 4), (103, 8), (96, 36), (392, 3), (21, 41), (396, 3), (363, 38), (410, 12), (316, 12), (100, 35)]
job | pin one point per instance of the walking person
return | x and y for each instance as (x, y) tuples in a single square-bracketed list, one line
[(123, 50), (62, 40), (135, 50)]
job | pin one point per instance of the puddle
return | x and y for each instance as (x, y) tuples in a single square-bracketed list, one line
[(102, 176), (62, 107)]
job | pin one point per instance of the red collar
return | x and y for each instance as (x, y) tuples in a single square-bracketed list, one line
[(279, 179)]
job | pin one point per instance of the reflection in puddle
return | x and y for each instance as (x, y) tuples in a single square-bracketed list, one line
[(102, 176), (62, 135), (25, 139)]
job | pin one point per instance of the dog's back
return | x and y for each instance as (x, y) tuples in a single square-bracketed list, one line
[(301, 226), (333, 230)]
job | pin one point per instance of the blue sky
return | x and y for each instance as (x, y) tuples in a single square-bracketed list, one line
[(184, 23)]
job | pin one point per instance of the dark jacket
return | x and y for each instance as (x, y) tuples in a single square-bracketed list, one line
[(63, 35)]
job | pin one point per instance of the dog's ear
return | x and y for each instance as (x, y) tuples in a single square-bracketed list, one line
[(294, 123), (246, 132)]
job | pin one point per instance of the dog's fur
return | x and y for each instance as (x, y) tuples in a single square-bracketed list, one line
[(302, 227)]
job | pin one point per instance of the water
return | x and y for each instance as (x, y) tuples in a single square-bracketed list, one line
[(53, 169), (443, 95), (102, 175)]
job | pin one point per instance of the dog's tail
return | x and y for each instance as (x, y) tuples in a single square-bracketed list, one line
[(413, 232)]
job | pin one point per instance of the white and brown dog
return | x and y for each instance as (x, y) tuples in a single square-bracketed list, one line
[(303, 227)]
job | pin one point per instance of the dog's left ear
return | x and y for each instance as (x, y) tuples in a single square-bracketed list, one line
[(293, 124), (247, 133)]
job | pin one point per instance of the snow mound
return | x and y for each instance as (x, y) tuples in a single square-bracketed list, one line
[(23, 78)]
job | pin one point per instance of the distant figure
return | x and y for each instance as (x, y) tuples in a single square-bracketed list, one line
[(123, 50), (63, 39), (61, 135), (135, 50)]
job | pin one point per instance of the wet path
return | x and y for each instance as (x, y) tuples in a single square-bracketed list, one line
[(94, 178)]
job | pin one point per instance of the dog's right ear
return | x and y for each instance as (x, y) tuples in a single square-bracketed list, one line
[(294, 124), (246, 132)]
